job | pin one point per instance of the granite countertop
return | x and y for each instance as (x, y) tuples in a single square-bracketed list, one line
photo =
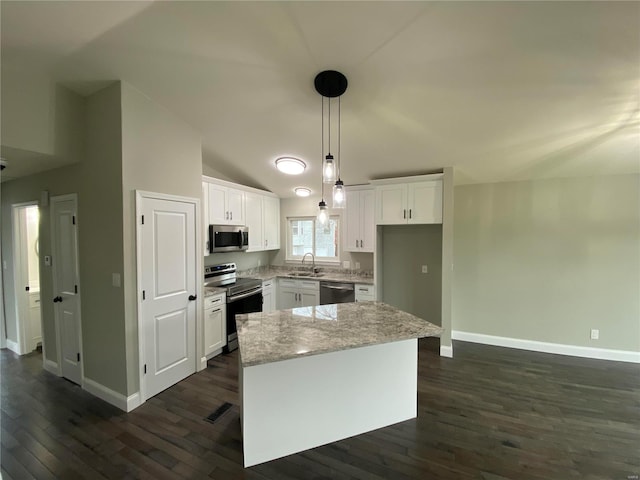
[(324, 276), (286, 334), (210, 291)]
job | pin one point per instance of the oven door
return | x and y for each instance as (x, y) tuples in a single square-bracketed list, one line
[(247, 302)]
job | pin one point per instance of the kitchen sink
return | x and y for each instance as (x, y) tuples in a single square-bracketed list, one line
[(305, 274)]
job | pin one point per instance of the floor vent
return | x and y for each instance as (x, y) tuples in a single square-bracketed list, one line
[(221, 410)]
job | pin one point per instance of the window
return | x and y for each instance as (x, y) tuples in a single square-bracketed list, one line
[(306, 235)]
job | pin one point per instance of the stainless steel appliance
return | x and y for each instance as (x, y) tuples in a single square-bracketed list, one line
[(244, 295), (333, 292), (228, 238)]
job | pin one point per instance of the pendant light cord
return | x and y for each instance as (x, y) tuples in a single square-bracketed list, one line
[(338, 163), (322, 148)]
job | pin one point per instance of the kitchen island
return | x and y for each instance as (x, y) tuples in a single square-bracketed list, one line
[(314, 375)]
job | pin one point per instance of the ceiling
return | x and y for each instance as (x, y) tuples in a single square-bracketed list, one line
[(501, 91)]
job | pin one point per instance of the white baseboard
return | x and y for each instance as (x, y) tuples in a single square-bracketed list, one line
[(557, 348), (51, 366), (110, 396), (446, 351), (13, 346)]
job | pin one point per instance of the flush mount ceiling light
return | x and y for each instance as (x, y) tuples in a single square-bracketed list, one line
[(331, 84), (302, 191), (290, 165)]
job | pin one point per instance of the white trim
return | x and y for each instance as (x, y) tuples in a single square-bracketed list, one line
[(412, 179), (446, 351), (51, 366), (557, 348), (110, 396), (14, 346), (237, 186)]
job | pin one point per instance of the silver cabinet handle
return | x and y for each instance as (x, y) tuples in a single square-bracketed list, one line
[(404, 213), (409, 213), (216, 310), (231, 215)]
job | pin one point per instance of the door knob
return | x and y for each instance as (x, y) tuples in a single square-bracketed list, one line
[(192, 297), (57, 299)]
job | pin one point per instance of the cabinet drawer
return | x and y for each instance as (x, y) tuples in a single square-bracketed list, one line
[(267, 284), (310, 284), (34, 300), (365, 290), (214, 301), (288, 283)]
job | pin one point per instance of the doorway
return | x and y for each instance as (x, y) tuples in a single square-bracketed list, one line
[(26, 255)]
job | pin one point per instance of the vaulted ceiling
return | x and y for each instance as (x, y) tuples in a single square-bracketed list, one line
[(501, 91)]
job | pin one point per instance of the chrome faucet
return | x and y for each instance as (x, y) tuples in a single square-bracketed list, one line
[(313, 257)]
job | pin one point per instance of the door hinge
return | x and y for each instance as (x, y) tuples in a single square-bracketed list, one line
[(143, 295), (75, 288), (26, 288), (73, 219), (78, 356), (145, 368), (142, 219)]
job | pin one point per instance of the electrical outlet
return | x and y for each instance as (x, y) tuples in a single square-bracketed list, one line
[(357, 265), (595, 334), (47, 261), (259, 262), (425, 269), (115, 279), (346, 264)]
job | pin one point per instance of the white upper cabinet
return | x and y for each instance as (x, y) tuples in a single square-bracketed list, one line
[(205, 217), (226, 205), (409, 202), (359, 221), (271, 209), (254, 220)]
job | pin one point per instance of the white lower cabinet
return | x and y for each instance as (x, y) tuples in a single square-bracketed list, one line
[(268, 296), (365, 292), (215, 324), (297, 293)]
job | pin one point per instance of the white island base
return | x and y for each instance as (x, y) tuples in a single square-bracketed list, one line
[(293, 405)]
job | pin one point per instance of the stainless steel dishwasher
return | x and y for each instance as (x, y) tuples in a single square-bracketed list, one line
[(335, 292)]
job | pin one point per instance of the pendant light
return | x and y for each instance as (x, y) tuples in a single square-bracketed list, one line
[(322, 206), (331, 84), (339, 195)]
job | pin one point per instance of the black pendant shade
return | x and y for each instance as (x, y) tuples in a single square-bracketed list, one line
[(330, 83)]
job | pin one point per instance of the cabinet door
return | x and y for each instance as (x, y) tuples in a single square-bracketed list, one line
[(425, 202), (391, 204), (271, 223), (309, 298), (214, 329), (267, 300), (205, 217), (352, 222), (288, 298), (367, 220), (235, 206), (254, 220), (218, 214)]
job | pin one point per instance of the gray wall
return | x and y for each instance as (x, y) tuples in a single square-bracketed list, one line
[(548, 260), (60, 181), (406, 249), (160, 153), (100, 242)]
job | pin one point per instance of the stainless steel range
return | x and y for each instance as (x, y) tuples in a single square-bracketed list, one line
[(244, 295)]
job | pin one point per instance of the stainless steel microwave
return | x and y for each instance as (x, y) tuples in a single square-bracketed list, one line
[(228, 238)]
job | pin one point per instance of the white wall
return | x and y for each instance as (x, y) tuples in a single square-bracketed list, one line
[(548, 260)]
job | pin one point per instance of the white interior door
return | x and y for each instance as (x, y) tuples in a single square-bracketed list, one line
[(168, 281), (66, 285)]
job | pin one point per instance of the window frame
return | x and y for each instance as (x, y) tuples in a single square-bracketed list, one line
[(289, 257)]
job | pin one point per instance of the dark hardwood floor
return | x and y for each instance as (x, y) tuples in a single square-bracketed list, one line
[(490, 413)]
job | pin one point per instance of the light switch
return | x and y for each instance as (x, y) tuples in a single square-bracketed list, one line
[(425, 269), (47, 260), (115, 279), (346, 264)]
